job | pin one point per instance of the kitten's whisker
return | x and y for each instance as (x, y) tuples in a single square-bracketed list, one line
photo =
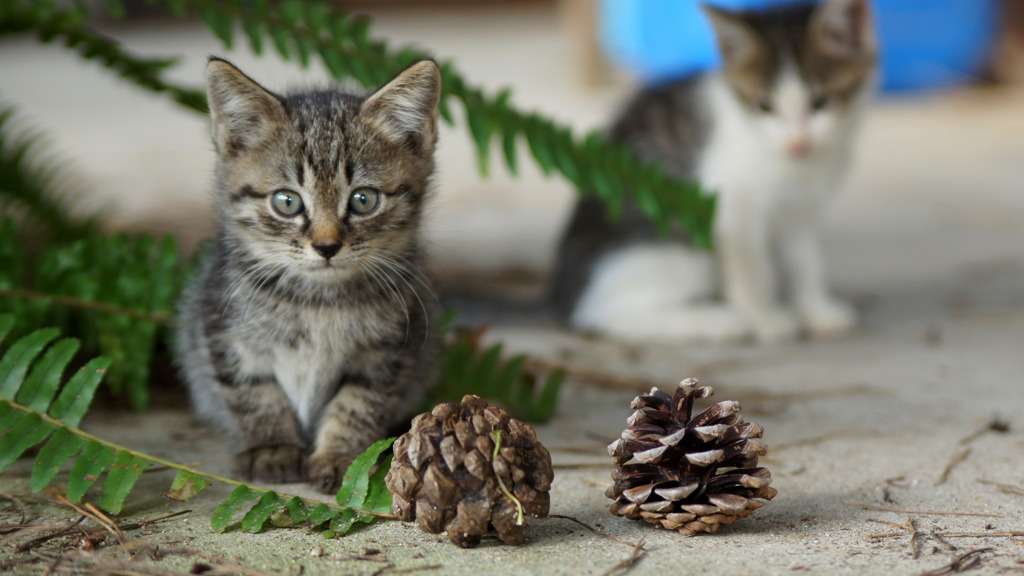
[(385, 282), (414, 273), (401, 272)]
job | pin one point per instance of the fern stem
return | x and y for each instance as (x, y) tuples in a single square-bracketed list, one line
[(170, 464), (155, 317)]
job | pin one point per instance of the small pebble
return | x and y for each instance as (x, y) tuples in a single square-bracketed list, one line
[(316, 551)]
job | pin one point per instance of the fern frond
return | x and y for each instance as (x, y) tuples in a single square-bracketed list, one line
[(33, 184), (36, 411), (469, 368), (116, 292), (68, 26)]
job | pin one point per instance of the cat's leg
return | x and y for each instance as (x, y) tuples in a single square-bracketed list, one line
[(821, 313), (238, 392), (651, 292), (273, 449), (368, 405), (749, 279)]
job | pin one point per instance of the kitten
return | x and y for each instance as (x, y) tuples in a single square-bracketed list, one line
[(771, 134), (307, 332)]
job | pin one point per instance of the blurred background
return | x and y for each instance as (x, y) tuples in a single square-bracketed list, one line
[(940, 163)]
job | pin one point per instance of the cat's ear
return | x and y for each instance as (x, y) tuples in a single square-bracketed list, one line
[(738, 42), (844, 28), (242, 112), (405, 109)]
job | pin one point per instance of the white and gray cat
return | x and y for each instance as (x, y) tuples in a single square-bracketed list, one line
[(771, 134), (308, 331)]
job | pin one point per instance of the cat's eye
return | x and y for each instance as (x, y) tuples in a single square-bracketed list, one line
[(286, 202), (364, 200), (820, 102), (765, 106)]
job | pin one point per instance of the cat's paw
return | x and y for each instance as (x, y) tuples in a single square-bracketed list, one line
[(326, 471), (829, 319), (274, 464), (775, 326)]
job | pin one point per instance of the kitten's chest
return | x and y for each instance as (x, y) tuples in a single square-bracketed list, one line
[(308, 351)]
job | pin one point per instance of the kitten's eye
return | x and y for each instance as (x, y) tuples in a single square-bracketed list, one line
[(765, 106), (364, 200), (821, 102), (286, 202)]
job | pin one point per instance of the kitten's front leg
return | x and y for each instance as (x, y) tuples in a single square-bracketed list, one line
[(823, 315), (273, 449), (749, 279), (359, 415)]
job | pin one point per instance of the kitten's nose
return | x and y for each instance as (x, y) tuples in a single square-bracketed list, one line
[(326, 250), (798, 146)]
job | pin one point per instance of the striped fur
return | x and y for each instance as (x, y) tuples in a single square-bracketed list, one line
[(309, 335)]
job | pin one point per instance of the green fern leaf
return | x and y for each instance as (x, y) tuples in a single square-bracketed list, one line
[(116, 9), (220, 23), (124, 472), (297, 510), (280, 38), (87, 469), (355, 485), (342, 523), (73, 401), (58, 450), (6, 323), (28, 431), (19, 357), (480, 129), (378, 497), (186, 486), (321, 514), (41, 385), (223, 514), (256, 518)]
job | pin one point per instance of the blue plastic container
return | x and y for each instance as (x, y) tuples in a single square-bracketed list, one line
[(926, 44)]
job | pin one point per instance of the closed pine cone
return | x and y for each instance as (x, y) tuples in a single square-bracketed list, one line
[(687, 474), (446, 475)]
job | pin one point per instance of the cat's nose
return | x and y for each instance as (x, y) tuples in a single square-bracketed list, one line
[(326, 250), (798, 146)]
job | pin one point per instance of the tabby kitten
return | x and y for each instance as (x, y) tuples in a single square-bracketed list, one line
[(308, 333), (771, 134)]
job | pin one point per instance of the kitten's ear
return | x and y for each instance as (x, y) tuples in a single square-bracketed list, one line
[(737, 41), (844, 27), (242, 112), (405, 109)]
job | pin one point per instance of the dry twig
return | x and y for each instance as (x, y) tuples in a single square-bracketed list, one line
[(628, 563), (961, 564), (925, 512), (1004, 488), (955, 461), (595, 530), (996, 424)]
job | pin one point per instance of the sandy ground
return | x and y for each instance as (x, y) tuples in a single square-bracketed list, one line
[(928, 241)]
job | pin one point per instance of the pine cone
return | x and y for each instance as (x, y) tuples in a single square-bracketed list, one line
[(447, 475), (687, 474)]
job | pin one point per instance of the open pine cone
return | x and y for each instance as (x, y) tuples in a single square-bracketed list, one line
[(447, 475), (687, 474)]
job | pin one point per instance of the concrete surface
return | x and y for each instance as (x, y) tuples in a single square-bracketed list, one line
[(928, 241)]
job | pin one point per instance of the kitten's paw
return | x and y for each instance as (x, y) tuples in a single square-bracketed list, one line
[(275, 464), (327, 470), (829, 319), (775, 326)]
